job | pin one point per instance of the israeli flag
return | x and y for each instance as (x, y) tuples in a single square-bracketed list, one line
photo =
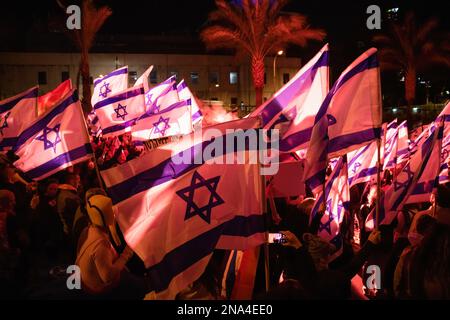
[(423, 167), (162, 96), (349, 117), (118, 113), (56, 140), (362, 166), (172, 121), (297, 102), (16, 115), (185, 94), (109, 85), (337, 200), (174, 213)]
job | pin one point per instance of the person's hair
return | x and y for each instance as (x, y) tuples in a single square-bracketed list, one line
[(431, 264), (425, 223), (443, 196), (5, 199), (4, 171), (332, 284), (69, 177), (43, 186)]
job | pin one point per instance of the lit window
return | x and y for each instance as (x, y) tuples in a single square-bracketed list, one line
[(233, 77), (194, 78), (132, 75)]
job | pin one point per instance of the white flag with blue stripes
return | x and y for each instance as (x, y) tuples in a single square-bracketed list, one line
[(297, 102), (16, 114), (424, 165), (118, 113), (162, 96), (362, 166), (337, 204), (174, 213), (349, 117), (109, 85), (58, 139), (185, 94), (172, 121)]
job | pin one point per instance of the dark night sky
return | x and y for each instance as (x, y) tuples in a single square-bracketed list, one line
[(25, 27)]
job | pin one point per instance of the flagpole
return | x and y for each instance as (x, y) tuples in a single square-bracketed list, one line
[(86, 131), (377, 215)]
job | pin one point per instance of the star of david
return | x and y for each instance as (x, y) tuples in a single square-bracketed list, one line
[(356, 167), (104, 90), (187, 194), (406, 171), (165, 122), (327, 225), (121, 112), (5, 122), (44, 137)]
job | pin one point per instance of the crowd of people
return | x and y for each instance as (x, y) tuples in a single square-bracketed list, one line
[(67, 219)]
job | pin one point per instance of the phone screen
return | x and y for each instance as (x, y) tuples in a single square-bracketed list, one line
[(276, 238)]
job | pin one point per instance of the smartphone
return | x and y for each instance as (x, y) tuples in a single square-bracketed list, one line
[(277, 238)]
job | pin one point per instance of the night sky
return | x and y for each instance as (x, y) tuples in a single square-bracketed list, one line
[(34, 27)]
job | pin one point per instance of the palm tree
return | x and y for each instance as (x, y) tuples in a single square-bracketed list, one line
[(92, 19), (256, 28), (412, 49)]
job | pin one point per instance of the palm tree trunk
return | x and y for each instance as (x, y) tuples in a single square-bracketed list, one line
[(410, 91), (258, 78), (85, 76)]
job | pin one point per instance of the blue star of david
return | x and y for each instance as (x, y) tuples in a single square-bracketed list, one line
[(187, 194), (331, 120), (104, 90), (44, 137), (5, 122), (404, 184), (327, 225), (164, 121), (121, 112), (356, 167)]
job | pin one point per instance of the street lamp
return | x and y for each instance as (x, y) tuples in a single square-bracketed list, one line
[(279, 53)]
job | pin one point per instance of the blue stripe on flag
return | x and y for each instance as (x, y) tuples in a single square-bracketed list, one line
[(41, 124), (169, 170), (10, 104), (120, 97), (60, 160), (344, 141), (8, 143), (369, 63), (276, 106), (181, 258), (112, 74)]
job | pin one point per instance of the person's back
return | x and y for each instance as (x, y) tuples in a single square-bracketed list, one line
[(68, 201)]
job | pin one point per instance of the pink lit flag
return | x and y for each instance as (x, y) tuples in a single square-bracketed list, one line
[(16, 114), (56, 140), (175, 206), (109, 85)]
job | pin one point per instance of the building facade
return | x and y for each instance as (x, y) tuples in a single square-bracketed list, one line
[(210, 77)]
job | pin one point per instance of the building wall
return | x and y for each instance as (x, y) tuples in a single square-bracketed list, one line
[(19, 71)]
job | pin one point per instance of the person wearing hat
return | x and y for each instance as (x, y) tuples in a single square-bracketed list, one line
[(100, 265)]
